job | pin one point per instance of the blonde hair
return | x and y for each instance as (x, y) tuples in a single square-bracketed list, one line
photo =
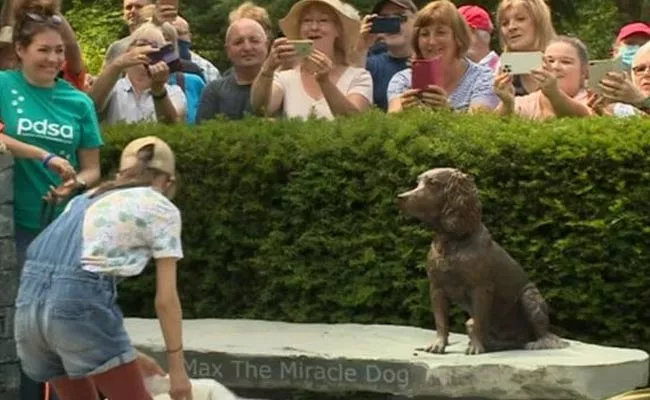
[(442, 12), (539, 12), (148, 31), (342, 46), (252, 11)]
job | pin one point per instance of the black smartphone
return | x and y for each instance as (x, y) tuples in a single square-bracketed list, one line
[(386, 25), (167, 54)]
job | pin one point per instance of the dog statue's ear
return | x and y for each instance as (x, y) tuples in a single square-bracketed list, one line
[(461, 213)]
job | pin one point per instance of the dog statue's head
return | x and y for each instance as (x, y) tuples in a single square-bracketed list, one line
[(446, 200)]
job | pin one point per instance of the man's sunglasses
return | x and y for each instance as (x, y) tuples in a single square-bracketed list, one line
[(35, 17), (640, 69)]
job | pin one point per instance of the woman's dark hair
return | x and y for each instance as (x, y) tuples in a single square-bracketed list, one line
[(30, 21), (139, 175)]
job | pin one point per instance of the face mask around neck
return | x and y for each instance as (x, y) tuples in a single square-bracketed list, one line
[(184, 49), (626, 54)]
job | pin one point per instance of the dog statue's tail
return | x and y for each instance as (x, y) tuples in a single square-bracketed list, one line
[(549, 341), (536, 311)]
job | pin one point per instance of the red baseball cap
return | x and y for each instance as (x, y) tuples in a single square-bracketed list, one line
[(633, 29), (476, 17)]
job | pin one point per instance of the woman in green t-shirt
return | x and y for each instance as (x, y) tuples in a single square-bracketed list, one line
[(40, 109)]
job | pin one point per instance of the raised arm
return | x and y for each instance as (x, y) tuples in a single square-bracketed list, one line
[(266, 98)]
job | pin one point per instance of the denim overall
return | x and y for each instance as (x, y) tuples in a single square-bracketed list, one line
[(67, 322)]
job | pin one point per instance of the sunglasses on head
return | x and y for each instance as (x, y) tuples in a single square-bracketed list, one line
[(43, 18)]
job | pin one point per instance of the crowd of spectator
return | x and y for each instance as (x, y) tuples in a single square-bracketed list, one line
[(328, 61)]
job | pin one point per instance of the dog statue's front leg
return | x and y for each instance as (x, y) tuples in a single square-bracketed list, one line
[(480, 321), (440, 306)]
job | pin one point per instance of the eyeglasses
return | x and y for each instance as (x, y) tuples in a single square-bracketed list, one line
[(145, 42), (57, 20), (641, 69)]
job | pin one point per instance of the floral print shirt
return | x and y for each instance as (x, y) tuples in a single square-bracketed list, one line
[(125, 228)]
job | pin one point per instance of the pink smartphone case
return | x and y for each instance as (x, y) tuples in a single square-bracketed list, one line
[(426, 73)]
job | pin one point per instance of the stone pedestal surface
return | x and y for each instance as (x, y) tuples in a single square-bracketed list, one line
[(383, 358), (9, 372)]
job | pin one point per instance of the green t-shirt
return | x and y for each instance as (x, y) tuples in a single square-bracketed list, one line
[(59, 119)]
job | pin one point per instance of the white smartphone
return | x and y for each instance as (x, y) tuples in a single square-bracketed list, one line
[(521, 63), (303, 47), (599, 68)]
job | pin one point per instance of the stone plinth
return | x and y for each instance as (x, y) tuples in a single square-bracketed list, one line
[(383, 358), (9, 372)]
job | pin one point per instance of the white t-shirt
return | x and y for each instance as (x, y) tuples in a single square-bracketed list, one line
[(297, 103), (123, 105), (126, 228)]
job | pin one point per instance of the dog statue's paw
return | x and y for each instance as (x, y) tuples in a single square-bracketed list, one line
[(475, 348), (438, 347)]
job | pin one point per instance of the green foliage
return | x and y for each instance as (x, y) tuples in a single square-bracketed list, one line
[(96, 26), (297, 221), (599, 33)]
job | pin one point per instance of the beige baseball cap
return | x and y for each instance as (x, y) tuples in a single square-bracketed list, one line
[(163, 157)]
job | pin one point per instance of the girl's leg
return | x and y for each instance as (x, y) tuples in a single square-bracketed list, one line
[(74, 389), (123, 382)]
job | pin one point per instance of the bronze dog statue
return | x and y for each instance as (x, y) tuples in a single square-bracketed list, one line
[(467, 267)]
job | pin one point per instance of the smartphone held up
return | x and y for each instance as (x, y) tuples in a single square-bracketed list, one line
[(426, 72), (303, 47), (169, 56), (386, 24)]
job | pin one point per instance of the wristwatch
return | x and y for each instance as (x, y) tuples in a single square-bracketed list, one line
[(81, 185)]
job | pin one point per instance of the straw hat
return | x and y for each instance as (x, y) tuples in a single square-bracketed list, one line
[(347, 14)]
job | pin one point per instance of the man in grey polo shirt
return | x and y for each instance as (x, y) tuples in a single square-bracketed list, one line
[(247, 47)]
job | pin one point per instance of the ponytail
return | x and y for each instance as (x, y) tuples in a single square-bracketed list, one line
[(139, 175)]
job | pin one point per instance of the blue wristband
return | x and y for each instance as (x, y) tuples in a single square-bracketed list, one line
[(48, 158)]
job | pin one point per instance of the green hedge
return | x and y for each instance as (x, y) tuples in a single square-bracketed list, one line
[(297, 221)]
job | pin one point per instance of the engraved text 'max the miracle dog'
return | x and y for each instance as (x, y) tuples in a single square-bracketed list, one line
[(465, 266)]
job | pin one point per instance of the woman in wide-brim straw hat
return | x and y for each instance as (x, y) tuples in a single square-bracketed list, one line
[(321, 83)]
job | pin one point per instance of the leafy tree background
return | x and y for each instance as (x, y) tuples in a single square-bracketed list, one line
[(98, 22)]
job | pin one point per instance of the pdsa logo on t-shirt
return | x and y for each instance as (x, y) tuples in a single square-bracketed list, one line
[(27, 127), (42, 128)]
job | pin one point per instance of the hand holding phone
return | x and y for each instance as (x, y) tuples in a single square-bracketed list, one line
[(426, 72), (386, 24), (598, 69), (521, 63), (303, 47), (167, 54)]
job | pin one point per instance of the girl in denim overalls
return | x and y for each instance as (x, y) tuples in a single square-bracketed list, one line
[(68, 327)]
